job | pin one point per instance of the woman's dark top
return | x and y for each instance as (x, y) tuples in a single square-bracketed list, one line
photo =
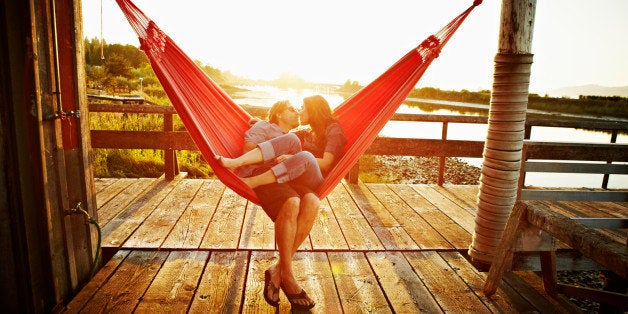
[(334, 142)]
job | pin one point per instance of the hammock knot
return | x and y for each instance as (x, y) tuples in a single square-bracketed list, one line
[(155, 38), (430, 42), (430, 48)]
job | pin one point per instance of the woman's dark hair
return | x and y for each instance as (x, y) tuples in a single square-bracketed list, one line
[(319, 115)]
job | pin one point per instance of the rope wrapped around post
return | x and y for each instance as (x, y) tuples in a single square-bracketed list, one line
[(502, 153)]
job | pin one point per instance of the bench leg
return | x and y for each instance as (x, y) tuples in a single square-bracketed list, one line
[(548, 271), (503, 256)]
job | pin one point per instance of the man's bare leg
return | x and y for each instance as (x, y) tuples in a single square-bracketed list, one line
[(305, 220), (285, 230), (266, 177), (308, 210)]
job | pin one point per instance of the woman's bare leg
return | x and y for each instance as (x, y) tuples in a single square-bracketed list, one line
[(251, 157)]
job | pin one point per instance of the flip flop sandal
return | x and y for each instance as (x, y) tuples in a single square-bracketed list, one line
[(299, 296), (270, 287)]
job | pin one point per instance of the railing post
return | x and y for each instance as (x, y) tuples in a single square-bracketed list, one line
[(606, 175), (170, 159), (354, 174), (441, 159)]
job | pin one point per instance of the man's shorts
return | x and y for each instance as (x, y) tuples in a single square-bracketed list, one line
[(273, 196)]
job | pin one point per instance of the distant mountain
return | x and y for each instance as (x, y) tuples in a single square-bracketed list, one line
[(589, 90)]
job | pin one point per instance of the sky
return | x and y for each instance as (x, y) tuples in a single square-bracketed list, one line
[(575, 42)]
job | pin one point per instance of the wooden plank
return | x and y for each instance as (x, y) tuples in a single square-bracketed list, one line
[(500, 302), (392, 235), (374, 211), (357, 285), (612, 209), (355, 228), (120, 228), (575, 167), (258, 231), (425, 147), (112, 190), (579, 209), (564, 195), (188, 232), (254, 290), (153, 232), (447, 228), (576, 151), (403, 288), (312, 272), (462, 217), (122, 200), (102, 183), (605, 223), (162, 140), (224, 230), (420, 230), (326, 233), (125, 288), (466, 196), (449, 290), (93, 286), (174, 285), (532, 287), (221, 287)]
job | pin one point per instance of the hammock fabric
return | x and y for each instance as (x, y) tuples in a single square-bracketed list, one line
[(217, 124)]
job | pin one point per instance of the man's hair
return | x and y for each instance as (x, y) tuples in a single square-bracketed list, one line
[(276, 110)]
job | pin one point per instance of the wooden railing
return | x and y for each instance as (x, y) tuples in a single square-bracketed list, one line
[(171, 141), (588, 158)]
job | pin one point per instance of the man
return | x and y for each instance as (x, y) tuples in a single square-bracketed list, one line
[(293, 208)]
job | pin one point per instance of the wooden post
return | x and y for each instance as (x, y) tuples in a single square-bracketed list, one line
[(441, 159), (606, 176), (354, 173), (509, 101), (170, 166)]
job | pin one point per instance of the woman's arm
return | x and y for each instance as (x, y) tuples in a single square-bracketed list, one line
[(326, 162)]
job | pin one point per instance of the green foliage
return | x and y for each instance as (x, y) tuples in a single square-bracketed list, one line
[(127, 163), (481, 97), (350, 87)]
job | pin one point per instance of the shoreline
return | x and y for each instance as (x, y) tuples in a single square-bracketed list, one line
[(416, 170)]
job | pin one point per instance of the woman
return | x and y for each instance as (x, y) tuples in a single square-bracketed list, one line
[(303, 156)]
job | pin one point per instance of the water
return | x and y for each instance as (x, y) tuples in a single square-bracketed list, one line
[(266, 96)]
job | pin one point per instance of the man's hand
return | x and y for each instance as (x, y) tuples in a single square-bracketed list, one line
[(282, 158)]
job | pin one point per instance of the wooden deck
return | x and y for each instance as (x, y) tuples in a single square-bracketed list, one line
[(192, 245)]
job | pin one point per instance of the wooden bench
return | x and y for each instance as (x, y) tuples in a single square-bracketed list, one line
[(532, 222)]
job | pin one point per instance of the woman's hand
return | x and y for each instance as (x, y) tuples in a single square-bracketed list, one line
[(281, 158)]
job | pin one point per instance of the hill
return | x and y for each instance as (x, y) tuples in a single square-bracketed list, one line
[(589, 90)]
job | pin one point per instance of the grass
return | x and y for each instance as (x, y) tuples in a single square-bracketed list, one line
[(140, 163)]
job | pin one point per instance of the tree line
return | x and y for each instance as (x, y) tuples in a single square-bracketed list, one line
[(125, 67)]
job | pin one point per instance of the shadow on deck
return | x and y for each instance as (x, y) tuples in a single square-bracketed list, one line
[(192, 245)]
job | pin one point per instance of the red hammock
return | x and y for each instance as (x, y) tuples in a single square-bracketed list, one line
[(217, 124)]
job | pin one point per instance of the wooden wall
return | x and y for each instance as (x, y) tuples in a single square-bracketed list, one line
[(46, 255)]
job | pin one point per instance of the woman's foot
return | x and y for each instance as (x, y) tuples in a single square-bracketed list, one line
[(228, 163)]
